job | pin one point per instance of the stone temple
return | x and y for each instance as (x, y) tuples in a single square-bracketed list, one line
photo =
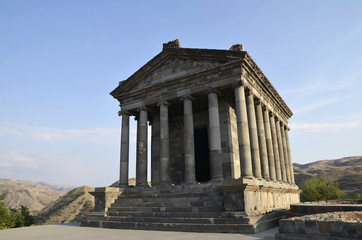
[(220, 152)]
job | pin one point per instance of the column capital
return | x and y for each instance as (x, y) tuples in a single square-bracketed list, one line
[(237, 84), (212, 90), (124, 113), (187, 97), (248, 93), (258, 102), (142, 108), (163, 102)]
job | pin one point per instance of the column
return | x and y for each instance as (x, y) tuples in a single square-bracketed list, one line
[(189, 141), (123, 173), (215, 138), (262, 141), (255, 157), (243, 133), (286, 156), (281, 152), (269, 144), (275, 147), (141, 155), (164, 143), (155, 149), (290, 157)]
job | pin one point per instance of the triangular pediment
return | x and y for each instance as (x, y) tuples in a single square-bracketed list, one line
[(174, 63)]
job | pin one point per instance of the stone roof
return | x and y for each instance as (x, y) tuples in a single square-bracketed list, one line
[(234, 55)]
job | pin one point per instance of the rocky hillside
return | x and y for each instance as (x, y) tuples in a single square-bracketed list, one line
[(347, 171), (31, 194), (71, 207)]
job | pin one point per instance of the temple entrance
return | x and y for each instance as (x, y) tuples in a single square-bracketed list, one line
[(202, 160)]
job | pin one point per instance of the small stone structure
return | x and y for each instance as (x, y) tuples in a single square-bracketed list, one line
[(220, 152), (323, 226), (307, 208)]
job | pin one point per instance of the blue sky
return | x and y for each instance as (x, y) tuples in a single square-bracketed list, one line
[(60, 59)]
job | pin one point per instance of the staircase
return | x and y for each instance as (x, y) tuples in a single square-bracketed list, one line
[(186, 209)]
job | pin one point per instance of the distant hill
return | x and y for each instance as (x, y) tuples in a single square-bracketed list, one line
[(31, 194), (71, 207), (347, 171)]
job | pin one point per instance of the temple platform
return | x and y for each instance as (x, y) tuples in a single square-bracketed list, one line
[(209, 207)]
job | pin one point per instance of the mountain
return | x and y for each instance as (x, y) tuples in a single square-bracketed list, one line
[(347, 171), (31, 194), (71, 207)]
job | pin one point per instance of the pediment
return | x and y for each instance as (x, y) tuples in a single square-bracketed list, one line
[(173, 68), (174, 63)]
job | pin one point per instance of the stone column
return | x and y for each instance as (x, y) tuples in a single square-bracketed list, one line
[(243, 133), (286, 156), (269, 144), (262, 141), (155, 149), (255, 156), (164, 143), (189, 141), (275, 148), (290, 157), (215, 138), (141, 155), (124, 161), (281, 152)]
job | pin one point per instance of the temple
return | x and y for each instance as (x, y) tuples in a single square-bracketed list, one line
[(220, 152)]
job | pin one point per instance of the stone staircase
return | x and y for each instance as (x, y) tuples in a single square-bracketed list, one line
[(194, 209)]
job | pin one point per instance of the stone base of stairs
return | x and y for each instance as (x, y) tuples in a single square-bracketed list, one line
[(187, 224), (186, 208)]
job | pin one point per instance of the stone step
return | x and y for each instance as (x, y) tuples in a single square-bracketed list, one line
[(179, 199), (166, 209), (212, 220), (183, 227), (172, 214), (175, 203), (131, 195)]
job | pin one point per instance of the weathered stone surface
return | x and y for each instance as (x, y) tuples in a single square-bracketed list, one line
[(334, 225), (212, 149), (104, 197)]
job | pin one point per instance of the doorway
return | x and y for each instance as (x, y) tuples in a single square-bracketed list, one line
[(202, 159)]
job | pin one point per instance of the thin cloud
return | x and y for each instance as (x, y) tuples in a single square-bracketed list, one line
[(14, 159), (324, 102), (321, 127), (43, 134)]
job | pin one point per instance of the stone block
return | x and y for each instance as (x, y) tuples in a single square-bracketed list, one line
[(104, 197), (324, 228)]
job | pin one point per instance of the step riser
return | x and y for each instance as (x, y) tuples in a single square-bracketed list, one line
[(166, 209), (181, 199), (168, 204), (168, 214), (169, 195), (180, 220), (215, 228)]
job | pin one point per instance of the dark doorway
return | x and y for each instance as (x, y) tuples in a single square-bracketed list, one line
[(202, 163)]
